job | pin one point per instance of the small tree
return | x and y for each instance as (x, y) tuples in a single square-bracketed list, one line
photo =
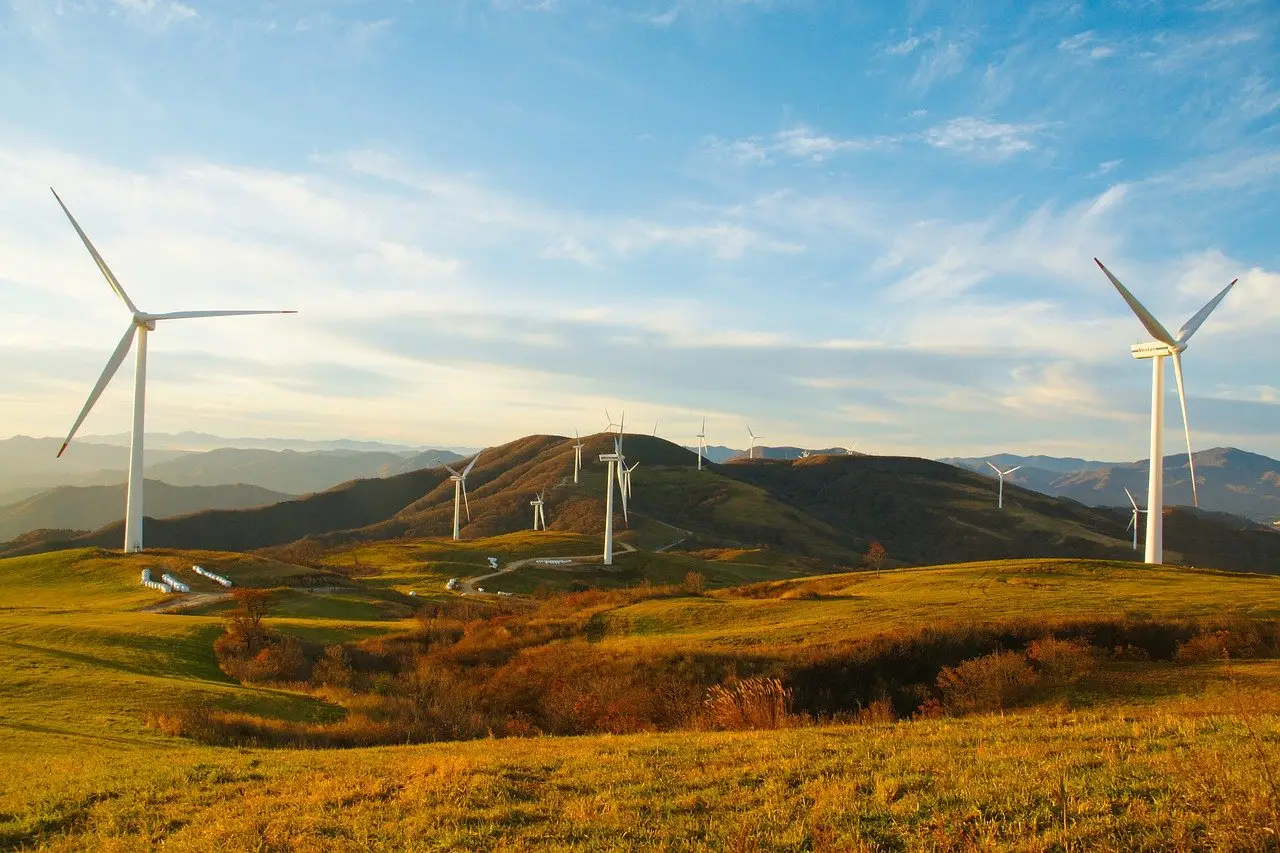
[(875, 557), (694, 583)]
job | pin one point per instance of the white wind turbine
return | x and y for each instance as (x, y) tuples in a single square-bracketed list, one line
[(1163, 346), (626, 476), (539, 515), (751, 451), (804, 454), (615, 461), (608, 417), (577, 456), (702, 443), (140, 324), (460, 493), (1133, 520), (1003, 474)]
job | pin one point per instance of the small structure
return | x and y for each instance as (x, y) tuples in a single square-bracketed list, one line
[(493, 562), (452, 584), (178, 586), (218, 579)]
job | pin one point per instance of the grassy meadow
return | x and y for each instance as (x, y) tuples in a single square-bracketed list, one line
[(1134, 755)]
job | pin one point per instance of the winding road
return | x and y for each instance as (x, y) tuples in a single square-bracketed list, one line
[(467, 586)]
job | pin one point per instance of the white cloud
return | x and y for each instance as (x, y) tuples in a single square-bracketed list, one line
[(938, 63), (985, 138), (159, 13), (904, 47), (1086, 45)]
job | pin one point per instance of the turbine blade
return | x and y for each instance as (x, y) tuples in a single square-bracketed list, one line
[(451, 471), (465, 500), (1186, 427), (1014, 468), (1152, 325), (1131, 500), (187, 315), (113, 364), (1189, 328), (994, 468), (97, 259), (471, 464), (1133, 519)]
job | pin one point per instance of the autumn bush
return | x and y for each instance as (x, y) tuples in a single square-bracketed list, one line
[(751, 703), (992, 682)]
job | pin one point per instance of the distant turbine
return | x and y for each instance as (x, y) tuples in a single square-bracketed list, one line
[(702, 443), (1003, 474), (140, 324), (460, 492), (849, 451), (655, 429), (1163, 346), (1133, 520), (539, 514), (751, 451), (626, 476), (608, 417), (614, 460), (804, 454), (577, 456)]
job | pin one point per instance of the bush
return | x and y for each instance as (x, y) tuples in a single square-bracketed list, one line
[(282, 660), (752, 703), (694, 583), (990, 683), (334, 669), (1203, 647), (1060, 662)]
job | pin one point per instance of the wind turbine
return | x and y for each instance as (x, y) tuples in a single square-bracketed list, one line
[(1003, 474), (1133, 520), (849, 451), (539, 515), (702, 443), (608, 417), (1162, 347), (626, 476), (140, 324), (460, 493), (751, 451), (804, 454), (655, 429), (615, 460), (577, 456)]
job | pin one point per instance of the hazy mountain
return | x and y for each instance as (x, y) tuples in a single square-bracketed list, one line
[(1005, 461), (1229, 480), (33, 463), (29, 466), (90, 507), (200, 441), (826, 507)]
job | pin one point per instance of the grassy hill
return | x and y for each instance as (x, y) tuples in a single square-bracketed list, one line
[(824, 508), (1136, 756)]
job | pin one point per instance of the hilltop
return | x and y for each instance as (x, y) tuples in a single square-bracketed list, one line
[(827, 508)]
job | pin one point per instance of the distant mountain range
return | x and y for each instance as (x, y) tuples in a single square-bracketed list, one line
[(825, 509), (198, 441), (1228, 480), (29, 466), (91, 507)]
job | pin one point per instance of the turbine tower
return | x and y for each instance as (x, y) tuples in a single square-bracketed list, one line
[(751, 451), (1003, 474), (539, 515), (1162, 347), (577, 456), (702, 443), (140, 324), (460, 493), (614, 460), (1133, 520)]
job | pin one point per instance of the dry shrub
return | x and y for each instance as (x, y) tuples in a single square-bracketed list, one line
[(694, 583), (1130, 654), (334, 669), (1203, 647), (751, 703), (879, 711), (1060, 662), (989, 683), (282, 660)]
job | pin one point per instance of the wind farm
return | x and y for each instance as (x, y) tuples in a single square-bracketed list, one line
[(377, 575)]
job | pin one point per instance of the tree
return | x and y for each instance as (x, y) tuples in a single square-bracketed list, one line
[(875, 556), (694, 583)]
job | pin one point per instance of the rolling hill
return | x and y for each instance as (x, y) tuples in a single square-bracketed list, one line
[(1228, 479), (91, 507), (826, 508)]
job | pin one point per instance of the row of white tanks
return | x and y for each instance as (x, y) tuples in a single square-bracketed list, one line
[(168, 583)]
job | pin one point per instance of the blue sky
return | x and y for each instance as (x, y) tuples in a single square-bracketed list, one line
[(839, 222)]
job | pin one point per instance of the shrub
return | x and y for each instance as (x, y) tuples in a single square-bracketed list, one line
[(694, 583), (752, 703), (334, 669), (990, 683), (281, 660), (1202, 647), (879, 711), (1060, 662)]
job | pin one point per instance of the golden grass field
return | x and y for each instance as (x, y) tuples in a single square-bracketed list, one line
[(1138, 756)]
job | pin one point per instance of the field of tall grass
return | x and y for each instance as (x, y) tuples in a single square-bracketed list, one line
[(1076, 705)]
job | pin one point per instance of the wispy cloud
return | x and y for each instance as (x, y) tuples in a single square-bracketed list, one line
[(984, 138), (1086, 45), (158, 13)]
